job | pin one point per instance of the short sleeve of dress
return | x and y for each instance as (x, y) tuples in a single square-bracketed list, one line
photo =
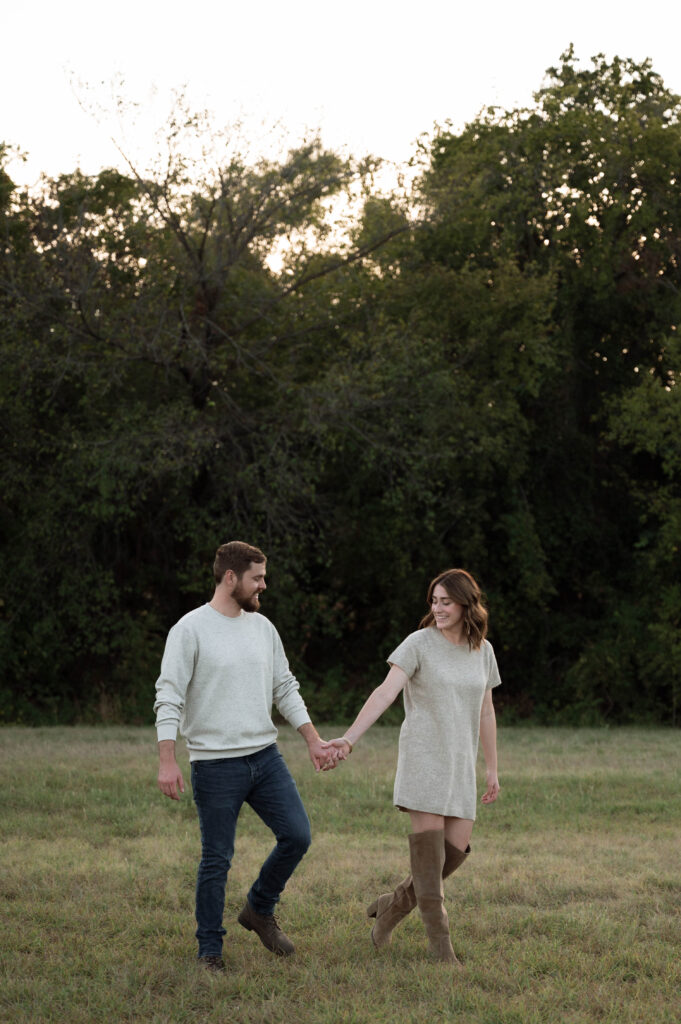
[(406, 655), (493, 677)]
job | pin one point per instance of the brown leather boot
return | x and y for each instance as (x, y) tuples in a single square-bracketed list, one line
[(212, 964), (427, 851), (266, 927), (392, 907)]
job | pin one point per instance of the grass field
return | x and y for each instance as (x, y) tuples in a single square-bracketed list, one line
[(568, 910)]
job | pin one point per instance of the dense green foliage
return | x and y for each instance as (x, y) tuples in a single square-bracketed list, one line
[(483, 373)]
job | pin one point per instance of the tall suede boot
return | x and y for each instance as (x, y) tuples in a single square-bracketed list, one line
[(392, 907), (389, 909), (427, 850)]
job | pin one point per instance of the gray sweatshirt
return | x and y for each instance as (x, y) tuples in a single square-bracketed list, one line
[(219, 678)]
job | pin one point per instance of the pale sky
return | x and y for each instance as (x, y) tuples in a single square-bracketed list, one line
[(371, 75)]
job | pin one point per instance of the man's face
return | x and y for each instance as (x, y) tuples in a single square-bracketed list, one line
[(250, 586)]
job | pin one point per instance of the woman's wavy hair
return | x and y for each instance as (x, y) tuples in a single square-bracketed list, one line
[(463, 589)]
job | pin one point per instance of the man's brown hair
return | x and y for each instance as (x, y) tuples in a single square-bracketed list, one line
[(237, 556)]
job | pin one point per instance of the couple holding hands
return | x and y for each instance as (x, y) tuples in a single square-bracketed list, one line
[(224, 667)]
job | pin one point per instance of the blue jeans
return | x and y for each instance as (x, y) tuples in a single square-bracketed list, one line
[(221, 787)]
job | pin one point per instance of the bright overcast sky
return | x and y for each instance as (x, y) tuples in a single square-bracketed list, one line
[(371, 75)]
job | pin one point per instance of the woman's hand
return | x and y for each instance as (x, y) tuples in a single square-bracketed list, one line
[(493, 788), (341, 746)]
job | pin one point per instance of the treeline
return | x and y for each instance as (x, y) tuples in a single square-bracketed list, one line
[(481, 371)]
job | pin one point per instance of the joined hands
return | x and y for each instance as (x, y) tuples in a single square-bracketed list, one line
[(326, 754), (333, 751)]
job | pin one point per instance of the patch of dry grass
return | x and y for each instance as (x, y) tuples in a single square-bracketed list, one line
[(568, 911)]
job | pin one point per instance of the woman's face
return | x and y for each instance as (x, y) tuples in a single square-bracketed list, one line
[(448, 614)]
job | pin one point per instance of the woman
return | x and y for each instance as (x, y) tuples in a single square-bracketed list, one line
[(447, 671)]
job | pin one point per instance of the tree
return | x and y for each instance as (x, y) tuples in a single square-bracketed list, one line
[(483, 373), (579, 193), (152, 359)]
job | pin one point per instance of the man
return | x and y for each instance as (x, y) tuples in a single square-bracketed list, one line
[(223, 666)]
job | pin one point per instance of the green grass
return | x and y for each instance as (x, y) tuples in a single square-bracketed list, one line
[(568, 910)]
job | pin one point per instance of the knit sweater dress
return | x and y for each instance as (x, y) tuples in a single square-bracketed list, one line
[(439, 736)]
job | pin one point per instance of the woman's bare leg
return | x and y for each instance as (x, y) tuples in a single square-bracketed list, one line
[(422, 821), (458, 832)]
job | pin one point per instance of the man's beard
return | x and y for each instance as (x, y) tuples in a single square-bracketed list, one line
[(249, 604)]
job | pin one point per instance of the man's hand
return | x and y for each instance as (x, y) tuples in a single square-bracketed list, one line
[(323, 757), (170, 780)]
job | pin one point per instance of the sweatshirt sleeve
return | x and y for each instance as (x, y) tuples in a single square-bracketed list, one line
[(285, 687), (177, 668)]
